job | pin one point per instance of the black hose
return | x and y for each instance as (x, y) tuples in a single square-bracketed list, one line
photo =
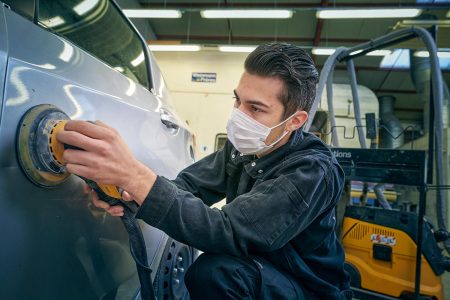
[(138, 251)]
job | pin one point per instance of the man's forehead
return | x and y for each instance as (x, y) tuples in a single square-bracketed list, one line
[(255, 88)]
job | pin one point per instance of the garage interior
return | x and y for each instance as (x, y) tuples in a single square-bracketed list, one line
[(201, 77), (162, 73)]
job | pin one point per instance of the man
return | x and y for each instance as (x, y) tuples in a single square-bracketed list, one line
[(274, 239)]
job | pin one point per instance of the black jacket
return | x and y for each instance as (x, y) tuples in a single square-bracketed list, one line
[(280, 207)]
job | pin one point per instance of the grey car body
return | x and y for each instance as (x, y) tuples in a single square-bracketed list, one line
[(55, 244)]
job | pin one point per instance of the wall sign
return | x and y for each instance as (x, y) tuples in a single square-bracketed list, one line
[(204, 77)]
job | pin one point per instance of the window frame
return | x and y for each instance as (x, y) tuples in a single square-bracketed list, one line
[(144, 47)]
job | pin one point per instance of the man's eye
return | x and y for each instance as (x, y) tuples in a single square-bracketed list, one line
[(255, 109)]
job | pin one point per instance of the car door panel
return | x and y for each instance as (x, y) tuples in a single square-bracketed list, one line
[(58, 244)]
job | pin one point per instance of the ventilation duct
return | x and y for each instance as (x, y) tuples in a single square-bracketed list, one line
[(420, 75), (391, 130)]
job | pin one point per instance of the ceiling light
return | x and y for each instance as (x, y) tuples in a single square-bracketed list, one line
[(53, 22), (396, 13), (379, 53), (245, 49), (85, 6), (330, 51), (356, 52), (440, 54), (174, 47), (323, 51), (67, 52), (246, 14), (138, 60), (152, 13)]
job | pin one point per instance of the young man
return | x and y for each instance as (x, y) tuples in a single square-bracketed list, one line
[(274, 239)]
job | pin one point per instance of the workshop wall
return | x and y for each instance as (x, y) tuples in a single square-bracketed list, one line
[(206, 106)]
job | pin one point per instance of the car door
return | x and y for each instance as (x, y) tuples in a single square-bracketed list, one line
[(56, 245)]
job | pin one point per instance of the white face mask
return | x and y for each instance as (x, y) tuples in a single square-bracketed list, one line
[(248, 136)]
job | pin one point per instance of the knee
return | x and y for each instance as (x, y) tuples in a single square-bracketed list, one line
[(221, 272), (207, 269)]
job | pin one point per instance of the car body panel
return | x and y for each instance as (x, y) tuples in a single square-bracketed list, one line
[(57, 245)]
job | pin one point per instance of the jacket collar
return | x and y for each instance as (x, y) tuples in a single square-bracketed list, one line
[(257, 167)]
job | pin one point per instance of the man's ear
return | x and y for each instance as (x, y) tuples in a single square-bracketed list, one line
[(297, 120)]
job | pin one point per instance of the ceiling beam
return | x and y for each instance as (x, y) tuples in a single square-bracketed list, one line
[(319, 26), (258, 38)]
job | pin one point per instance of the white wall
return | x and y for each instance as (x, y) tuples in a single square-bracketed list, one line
[(205, 106)]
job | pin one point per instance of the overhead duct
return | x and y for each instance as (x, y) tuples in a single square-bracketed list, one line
[(420, 75), (391, 130)]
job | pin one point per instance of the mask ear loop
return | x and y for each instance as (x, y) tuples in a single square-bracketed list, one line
[(285, 131)]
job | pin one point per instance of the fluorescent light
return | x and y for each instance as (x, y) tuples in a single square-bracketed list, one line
[(152, 13), (440, 54), (131, 88), (245, 49), (67, 52), (53, 22), (368, 13), (356, 52), (323, 51), (330, 51), (174, 47), (379, 53), (138, 60), (85, 6), (120, 69), (246, 14)]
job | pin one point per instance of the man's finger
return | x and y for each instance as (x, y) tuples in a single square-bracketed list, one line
[(78, 140), (79, 157), (80, 170), (86, 128), (99, 203), (86, 189), (126, 196), (117, 209)]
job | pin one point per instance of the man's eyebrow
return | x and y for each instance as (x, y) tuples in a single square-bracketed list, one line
[(254, 102)]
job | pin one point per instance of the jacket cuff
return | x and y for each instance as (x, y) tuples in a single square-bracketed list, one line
[(158, 202)]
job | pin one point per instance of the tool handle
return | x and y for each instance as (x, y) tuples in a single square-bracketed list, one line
[(106, 192)]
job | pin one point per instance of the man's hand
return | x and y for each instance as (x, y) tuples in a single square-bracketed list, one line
[(106, 158), (116, 210)]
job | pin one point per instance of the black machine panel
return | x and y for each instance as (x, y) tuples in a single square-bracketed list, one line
[(407, 167)]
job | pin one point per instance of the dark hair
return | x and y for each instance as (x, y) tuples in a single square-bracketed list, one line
[(293, 66)]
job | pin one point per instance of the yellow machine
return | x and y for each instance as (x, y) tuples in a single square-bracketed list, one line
[(387, 256), (380, 249)]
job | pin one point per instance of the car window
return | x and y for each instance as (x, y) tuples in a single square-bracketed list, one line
[(97, 27), (22, 7)]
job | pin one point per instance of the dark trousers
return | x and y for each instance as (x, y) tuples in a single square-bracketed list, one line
[(218, 276)]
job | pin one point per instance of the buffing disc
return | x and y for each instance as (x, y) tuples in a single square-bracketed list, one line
[(39, 154)]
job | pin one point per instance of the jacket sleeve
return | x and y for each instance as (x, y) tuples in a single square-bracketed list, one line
[(206, 178), (262, 220)]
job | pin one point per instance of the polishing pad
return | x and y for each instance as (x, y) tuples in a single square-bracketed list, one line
[(38, 151)]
